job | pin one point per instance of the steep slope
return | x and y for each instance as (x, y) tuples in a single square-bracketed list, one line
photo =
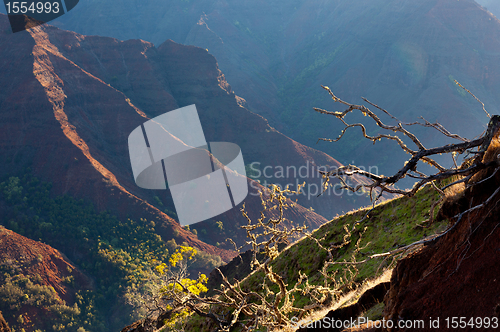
[(457, 274), (391, 225), (36, 280), (86, 92), (402, 55), (449, 282), (53, 119), (38, 258)]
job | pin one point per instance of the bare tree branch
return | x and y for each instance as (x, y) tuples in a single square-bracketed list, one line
[(460, 85), (382, 183)]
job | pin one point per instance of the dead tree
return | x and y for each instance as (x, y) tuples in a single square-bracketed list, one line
[(381, 183)]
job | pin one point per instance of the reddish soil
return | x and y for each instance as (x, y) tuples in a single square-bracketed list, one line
[(45, 266), (458, 274), (36, 258)]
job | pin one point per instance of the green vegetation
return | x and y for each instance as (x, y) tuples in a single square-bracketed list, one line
[(390, 225), (18, 291), (375, 313), (115, 253), (220, 225)]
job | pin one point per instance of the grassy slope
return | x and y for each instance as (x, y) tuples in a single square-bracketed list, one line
[(391, 225)]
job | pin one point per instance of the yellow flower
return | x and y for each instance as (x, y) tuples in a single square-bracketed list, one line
[(161, 268)]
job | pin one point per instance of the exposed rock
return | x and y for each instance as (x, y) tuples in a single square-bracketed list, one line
[(36, 258), (136, 327)]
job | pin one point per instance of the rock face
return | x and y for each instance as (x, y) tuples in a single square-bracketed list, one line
[(402, 55), (456, 275), (367, 300)]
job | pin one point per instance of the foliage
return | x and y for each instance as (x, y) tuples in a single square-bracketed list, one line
[(311, 274), (269, 301), (114, 252), (220, 225), (390, 225), (205, 262), (168, 288), (18, 291)]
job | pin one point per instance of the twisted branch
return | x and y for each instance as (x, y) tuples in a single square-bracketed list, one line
[(381, 183)]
